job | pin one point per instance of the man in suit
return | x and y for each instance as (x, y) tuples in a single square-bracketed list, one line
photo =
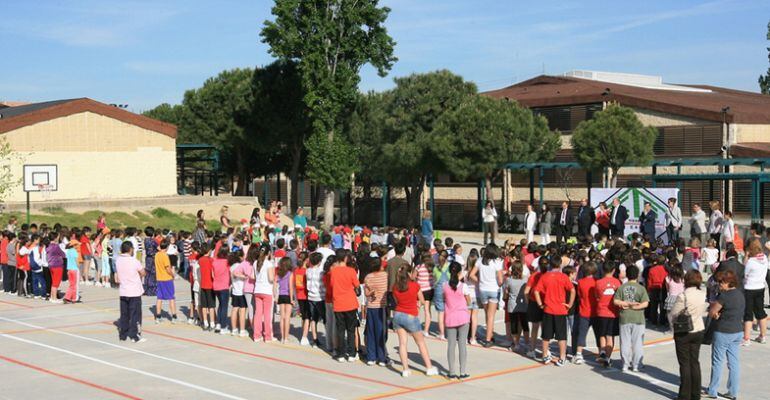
[(647, 222), (618, 218), (585, 219), (564, 223), (731, 263), (673, 221)]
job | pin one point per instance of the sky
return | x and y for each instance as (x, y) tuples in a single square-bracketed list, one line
[(143, 53)]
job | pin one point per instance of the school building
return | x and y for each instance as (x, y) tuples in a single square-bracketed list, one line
[(100, 151)]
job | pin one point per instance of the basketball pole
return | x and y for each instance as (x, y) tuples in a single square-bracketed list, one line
[(27, 208)]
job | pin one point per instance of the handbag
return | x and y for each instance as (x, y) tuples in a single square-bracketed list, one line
[(682, 323)]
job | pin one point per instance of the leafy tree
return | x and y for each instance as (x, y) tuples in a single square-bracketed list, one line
[(410, 148), (612, 139), (764, 80), (219, 113), (280, 117), (486, 133), (330, 41), (8, 159), (365, 132), (167, 113)]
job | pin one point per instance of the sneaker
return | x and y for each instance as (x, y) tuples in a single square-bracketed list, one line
[(304, 342), (190, 321), (140, 340), (426, 334), (174, 319), (489, 343), (244, 333), (560, 363), (432, 371), (441, 338), (531, 354), (341, 359), (405, 373), (727, 396), (761, 340), (547, 359), (205, 325), (473, 342), (157, 321), (37, 297), (353, 359), (235, 332), (370, 363), (635, 369), (746, 343), (382, 363), (624, 369), (224, 331), (451, 377), (463, 376), (578, 359), (602, 358)]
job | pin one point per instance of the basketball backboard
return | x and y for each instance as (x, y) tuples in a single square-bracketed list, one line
[(39, 177)]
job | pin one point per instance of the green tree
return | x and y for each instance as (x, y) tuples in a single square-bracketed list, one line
[(365, 132), (764, 80), (280, 117), (613, 138), (166, 112), (410, 149), (330, 41), (8, 159), (486, 133), (219, 113)]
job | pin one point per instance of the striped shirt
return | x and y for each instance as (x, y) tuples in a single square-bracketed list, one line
[(424, 278), (314, 284), (376, 284), (187, 248)]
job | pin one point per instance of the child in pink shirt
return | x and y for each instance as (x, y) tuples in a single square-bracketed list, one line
[(456, 319)]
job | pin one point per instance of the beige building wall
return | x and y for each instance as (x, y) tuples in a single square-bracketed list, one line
[(98, 158), (751, 133), (657, 118)]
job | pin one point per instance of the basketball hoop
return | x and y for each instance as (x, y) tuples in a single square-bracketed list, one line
[(45, 190)]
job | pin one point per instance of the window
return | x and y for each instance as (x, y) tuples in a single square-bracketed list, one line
[(566, 118)]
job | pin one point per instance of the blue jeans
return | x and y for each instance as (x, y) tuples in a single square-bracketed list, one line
[(725, 344), (222, 297), (183, 265), (375, 335), (38, 284)]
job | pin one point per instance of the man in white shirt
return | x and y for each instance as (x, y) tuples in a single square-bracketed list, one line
[(530, 222), (489, 216), (673, 220), (698, 223)]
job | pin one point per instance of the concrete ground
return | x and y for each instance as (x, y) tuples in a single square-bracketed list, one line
[(73, 352)]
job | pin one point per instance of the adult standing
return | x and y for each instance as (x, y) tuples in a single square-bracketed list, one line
[(300, 219), (199, 234), (564, 225), (530, 223), (647, 222), (585, 219), (129, 276), (727, 315), (489, 216), (544, 225), (731, 263), (426, 226), (603, 219), (224, 219), (698, 223), (618, 217), (716, 220), (692, 302), (673, 220), (489, 274)]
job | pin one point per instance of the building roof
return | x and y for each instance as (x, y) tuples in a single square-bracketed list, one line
[(6, 103), (13, 118), (695, 101)]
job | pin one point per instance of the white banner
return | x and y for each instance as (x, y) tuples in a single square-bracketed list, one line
[(633, 199)]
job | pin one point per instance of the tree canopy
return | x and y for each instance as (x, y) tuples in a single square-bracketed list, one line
[(613, 138), (486, 133), (330, 41), (764, 80)]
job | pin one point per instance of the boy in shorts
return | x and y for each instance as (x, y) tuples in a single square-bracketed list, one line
[(300, 289), (206, 268), (606, 322), (550, 294), (164, 275)]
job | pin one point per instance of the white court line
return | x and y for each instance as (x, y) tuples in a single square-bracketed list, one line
[(59, 316), (275, 385), (152, 375)]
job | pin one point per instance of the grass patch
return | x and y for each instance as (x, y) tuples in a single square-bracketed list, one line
[(159, 218), (53, 210)]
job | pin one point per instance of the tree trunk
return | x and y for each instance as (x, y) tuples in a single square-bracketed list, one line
[(240, 161), (314, 195), (328, 207), (413, 195), (613, 177), (294, 176)]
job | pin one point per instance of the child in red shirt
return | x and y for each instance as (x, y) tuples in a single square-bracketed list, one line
[(586, 294), (606, 324), (300, 288), (534, 313), (656, 278), (206, 265), (550, 293)]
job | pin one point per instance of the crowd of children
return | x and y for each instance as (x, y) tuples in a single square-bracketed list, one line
[(346, 277)]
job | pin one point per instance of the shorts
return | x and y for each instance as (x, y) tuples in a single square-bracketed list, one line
[(427, 295), (486, 297), (474, 304), (238, 300), (409, 323), (604, 326), (207, 298), (56, 274), (518, 321), (554, 327), (438, 298), (580, 327), (195, 298), (284, 299), (304, 309), (534, 312), (317, 310), (165, 290), (755, 307)]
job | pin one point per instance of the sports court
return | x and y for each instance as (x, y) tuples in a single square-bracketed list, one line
[(73, 351)]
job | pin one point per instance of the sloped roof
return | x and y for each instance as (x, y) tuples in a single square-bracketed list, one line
[(13, 118), (547, 90)]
